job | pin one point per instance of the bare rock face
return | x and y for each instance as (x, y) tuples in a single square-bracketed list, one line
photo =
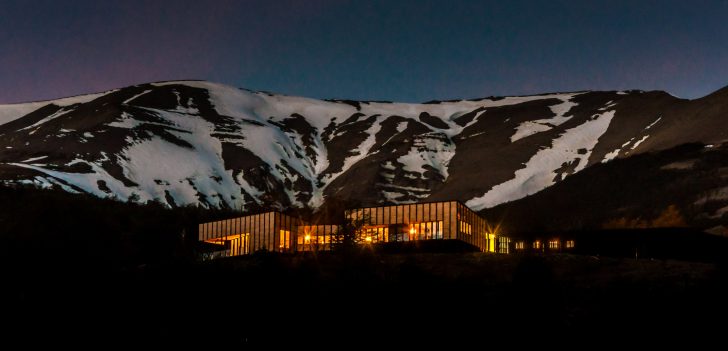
[(199, 143)]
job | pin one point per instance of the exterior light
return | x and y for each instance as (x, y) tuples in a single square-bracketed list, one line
[(307, 238), (368, 239), (413, 231)]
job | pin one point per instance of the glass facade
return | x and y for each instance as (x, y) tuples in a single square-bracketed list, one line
[(554, 244), (520, 245), (504, 244), (270, 231), (409, 222), (466, 228), (284, 239), (376, 234), (274, 231), (315, 237), (537, 245)]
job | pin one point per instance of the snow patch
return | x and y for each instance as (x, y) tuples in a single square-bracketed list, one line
[(362, 151), (394, 192), (87, 182), (33, 159), (80, 99), (127, 101), (187, 171), (125, 121), (388, 165), (51, 117), (653, 123), (428, 150), (636, 144), (391, 196), (540, 171), (529, 128), (611, 155), (9, 113)]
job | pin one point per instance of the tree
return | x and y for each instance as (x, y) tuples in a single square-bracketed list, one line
[(670, 217), (350, 233)]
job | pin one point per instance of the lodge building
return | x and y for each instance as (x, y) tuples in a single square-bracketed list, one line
[(432, 221)]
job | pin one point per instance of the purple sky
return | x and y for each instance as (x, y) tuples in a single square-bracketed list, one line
[(366, 50)]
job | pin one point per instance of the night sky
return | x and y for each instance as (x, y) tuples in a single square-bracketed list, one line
[(366, 50)]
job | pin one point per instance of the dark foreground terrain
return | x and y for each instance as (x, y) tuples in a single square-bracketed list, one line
[(367, 297), (78, 270)]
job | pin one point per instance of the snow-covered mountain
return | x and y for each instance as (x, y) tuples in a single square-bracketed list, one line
[(194, 142)]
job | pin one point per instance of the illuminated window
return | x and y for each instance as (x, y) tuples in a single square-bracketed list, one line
[(504, 244), (466, 228), (520, 245), (537, 244), (491, 242), (375, 234), (285, 239), (554, 244), (315, 237), (414, 231), (234, 245), (569, 244)]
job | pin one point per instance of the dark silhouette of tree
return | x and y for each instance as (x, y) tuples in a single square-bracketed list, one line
[(669, 218), (350, 233)]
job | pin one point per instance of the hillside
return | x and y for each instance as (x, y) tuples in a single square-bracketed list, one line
[(198, 143)]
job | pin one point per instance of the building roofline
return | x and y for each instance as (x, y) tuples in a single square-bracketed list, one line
[(415, 203), (352, 209), (245, 215)]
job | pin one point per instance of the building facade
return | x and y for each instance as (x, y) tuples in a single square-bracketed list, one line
[(274, 231), (449, 220)]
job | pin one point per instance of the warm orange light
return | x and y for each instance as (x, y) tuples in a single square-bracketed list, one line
[(368, 239), (307, 238), (554, 244), (413, 231)]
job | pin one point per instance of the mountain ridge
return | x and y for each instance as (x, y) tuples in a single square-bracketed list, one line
[(207, 144), (343, 99)]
